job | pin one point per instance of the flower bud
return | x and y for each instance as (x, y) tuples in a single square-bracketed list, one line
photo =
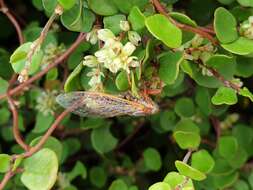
[(124, 25), (134, 38)]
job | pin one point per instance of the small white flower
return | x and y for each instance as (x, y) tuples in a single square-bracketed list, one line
[(105, 34), (134, 37), (128, 49), (124, 25), (90, 61), (105, 55), (115, 65), (96, 77), (92, 36)]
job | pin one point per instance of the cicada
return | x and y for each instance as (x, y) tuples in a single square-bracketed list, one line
[(97, 104)]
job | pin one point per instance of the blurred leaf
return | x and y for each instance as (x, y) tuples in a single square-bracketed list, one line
[(118, 184), (103, 7), (160, 186), (113, 23), (152, 159), (227, 146), (4, 86), (203, 100), (49, 5), (122, 81), (245, 92), (137, 19), (126, 6), (5, 163), (184, 107), (78, 170), (202, 161), (102, 140), (67, 4), (188, 171), (98, 176), (246, 3), (43, 122), (40, 170)]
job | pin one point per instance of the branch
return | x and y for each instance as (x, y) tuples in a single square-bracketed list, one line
[(198, 30), (56, 62), (13, 20)]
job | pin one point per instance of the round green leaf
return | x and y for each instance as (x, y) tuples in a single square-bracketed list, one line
[(185, 107), (160, 186), (122, 81), (4, 86), (242, 46), (5, 163), (40, 170), (136, 18), (102, 140), (187, 140), (188, 171), (169, 35), (224, 95), (241, 185), (49, 5), (246, 3), (202, 161), (98, 176), (174, 179), (227, 146), (118, 184), (67, 4), (78, 170), (169, 66), (203, 100), (246, 93), (223, 182), (183, 18), (221, 167), (103, 7), (225, 25), (52, 144), (152, 159), (43, 122)]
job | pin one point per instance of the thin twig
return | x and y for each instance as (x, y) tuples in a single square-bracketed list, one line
[(216, 125), (197, 30), (13, 20), (187, 156), (56, 62)]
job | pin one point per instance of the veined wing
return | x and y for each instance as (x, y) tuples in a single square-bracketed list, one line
[(95, 104)]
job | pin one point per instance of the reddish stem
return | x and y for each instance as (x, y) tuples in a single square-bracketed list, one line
[(58, 61), (197, 30)]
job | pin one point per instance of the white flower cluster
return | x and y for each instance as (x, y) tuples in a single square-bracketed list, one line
[(247, 28), (113, 56)]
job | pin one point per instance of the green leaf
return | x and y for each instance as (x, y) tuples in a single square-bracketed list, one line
[(174, 179), (5, 163), (246, 93), (78, 170), (221, 168), (239, 158), (187, 140), (122, 81), (52, 144), (73, 81), (224, 64), (126, 6), (103, 7), (160, 186), (188, 171), (169, 35), (5, 115), (40, 170), (222, 182), (203, 100), (113, 23), (49, 5), (98, 176), (227, 146), (169, 66), (226, 2), (43, 122), (168, 120), (184, 107), (137, 19), (183, 18), (152, 159), (78, 18), (241, 185), (67, 4), (118, 184), (246, 3), (202, 161), (242, 46), (225, 26), (102, 140), (224, 95), (4, 86)]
